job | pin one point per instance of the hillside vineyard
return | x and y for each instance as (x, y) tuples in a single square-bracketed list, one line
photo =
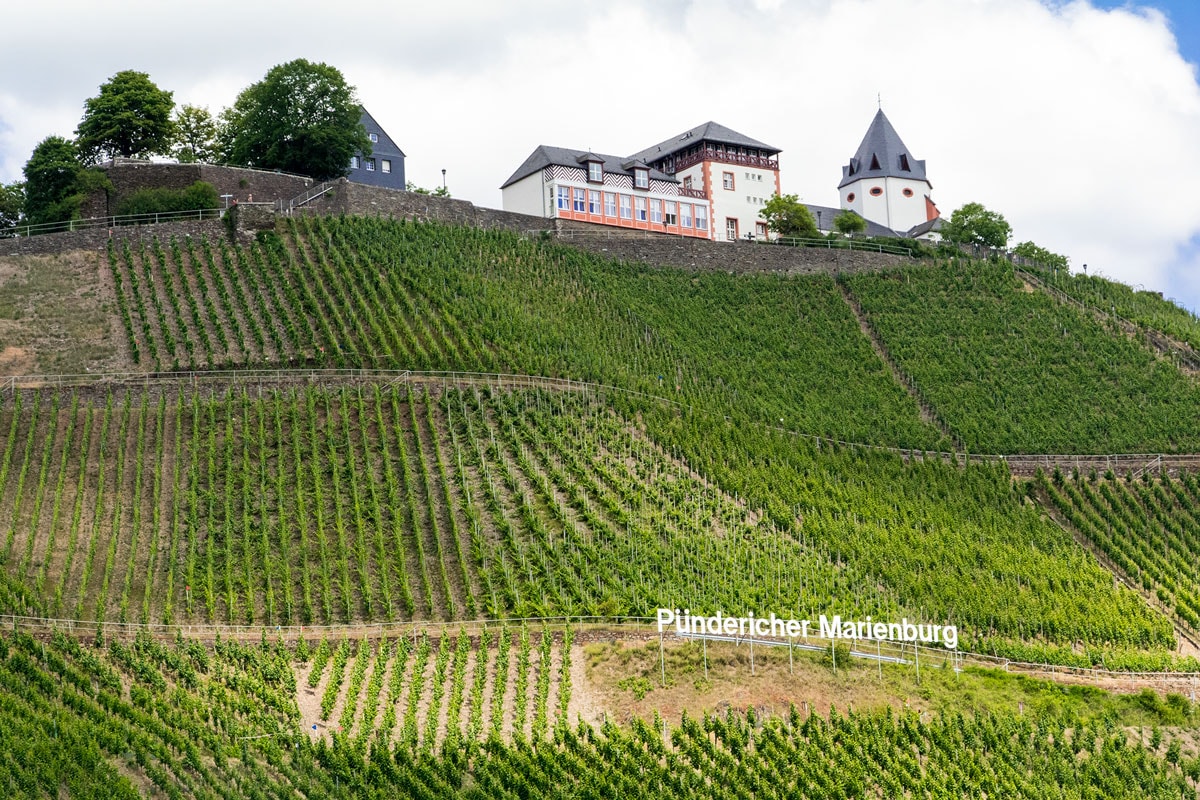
[(407, 483)]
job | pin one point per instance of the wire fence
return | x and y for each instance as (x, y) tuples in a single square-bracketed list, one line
[(124, 220), (881, 651)]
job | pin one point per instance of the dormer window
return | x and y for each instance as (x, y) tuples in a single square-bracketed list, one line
[(374, 137), (641, 178), (904, 162), (595, 172)]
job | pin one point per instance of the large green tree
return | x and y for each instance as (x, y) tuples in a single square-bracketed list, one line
[(195, 135), (974, 224), (302, 117), (52, 179), (130, 117), (1041, 255), (12, 204), (787, 216)]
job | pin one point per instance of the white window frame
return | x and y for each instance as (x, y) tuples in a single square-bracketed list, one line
[(563, 196), (610, 205), (639, 209), (656, 211), (595, 172), (374, 137), (685, 214), (385, 166), (353, 162), (641, 178), (727, 181), (731, 229), (593, 202), (369, 163), (701, 217), (626, 207), (580, 200)]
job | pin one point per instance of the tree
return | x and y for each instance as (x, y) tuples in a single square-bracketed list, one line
[(302, 117), (787, 216), (1040, 255), (974, 224), (849, 223), (195, 135), (52, 177), (12, 204), (130, 117)]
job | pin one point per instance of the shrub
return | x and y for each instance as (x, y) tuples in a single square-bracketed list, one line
[(199, 195)]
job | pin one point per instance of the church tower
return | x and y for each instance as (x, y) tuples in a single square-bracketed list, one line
[(883, 183)]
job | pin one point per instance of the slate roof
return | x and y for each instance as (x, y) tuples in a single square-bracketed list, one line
[(389, 145), (882, 155), (545, 155), (827, 213), (708, 131), (925, 227)]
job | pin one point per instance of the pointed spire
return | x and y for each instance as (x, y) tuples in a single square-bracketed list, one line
[(885, 154)]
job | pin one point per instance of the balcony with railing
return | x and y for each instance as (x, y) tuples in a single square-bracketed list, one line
[(698, 194), (723, 157)]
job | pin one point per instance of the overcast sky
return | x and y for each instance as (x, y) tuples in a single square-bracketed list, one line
[(1080, 123)]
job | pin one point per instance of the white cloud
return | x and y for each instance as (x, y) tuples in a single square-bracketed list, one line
[(1075, 123)]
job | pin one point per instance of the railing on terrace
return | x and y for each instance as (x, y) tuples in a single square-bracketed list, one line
[(288, 206), (712, 154), (841, 244), (696, 193), (110, 222)]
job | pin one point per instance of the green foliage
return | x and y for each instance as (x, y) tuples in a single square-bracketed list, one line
[(302, 117), (849, 223), (12, 204), (130, 117), (440, 191), (974, 224), (195, 135), (52, 177), (787, 216), (1041, 256), (1013, 371), (200, 195)]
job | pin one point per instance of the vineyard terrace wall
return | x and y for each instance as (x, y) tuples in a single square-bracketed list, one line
[(97, 238), (656, 250)]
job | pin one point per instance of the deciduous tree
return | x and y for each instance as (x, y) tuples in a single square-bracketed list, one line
[(302, 117), (1040, 255), (130, 117), (12, 204), (787, 216), (974, 224), (195, 135), (849, 223)]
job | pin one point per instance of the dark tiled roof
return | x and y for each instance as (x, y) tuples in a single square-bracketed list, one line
[(386, 144), (826, 216), (882, 155), (545, 156), (707, 132)]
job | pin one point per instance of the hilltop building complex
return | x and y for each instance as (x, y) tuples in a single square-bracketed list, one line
[(885, 184)]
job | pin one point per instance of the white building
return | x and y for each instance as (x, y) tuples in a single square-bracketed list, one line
[(556, 182), (883, 183), (736, 174)]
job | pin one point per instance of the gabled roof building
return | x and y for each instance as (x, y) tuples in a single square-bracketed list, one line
[(624, 192), (384, 166), (884, 183), (735, 173)]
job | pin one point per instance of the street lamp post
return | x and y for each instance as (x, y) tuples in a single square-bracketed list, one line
[(443, 180)]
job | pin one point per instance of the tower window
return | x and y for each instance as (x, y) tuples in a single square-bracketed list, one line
[(876, 191), (874, 161), (850, 197), (904, 162), (907, 192)]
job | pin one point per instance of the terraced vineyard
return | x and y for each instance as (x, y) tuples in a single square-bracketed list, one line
[(373, 293), (1012, 371), (187, 720), (362, 503), (1149, 527)]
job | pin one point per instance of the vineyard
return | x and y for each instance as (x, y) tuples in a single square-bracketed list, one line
[(1012, 371), (186, 720), (1149, 527), (725, 443)]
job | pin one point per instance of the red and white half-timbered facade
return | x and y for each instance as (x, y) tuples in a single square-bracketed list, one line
[(556, 182)]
